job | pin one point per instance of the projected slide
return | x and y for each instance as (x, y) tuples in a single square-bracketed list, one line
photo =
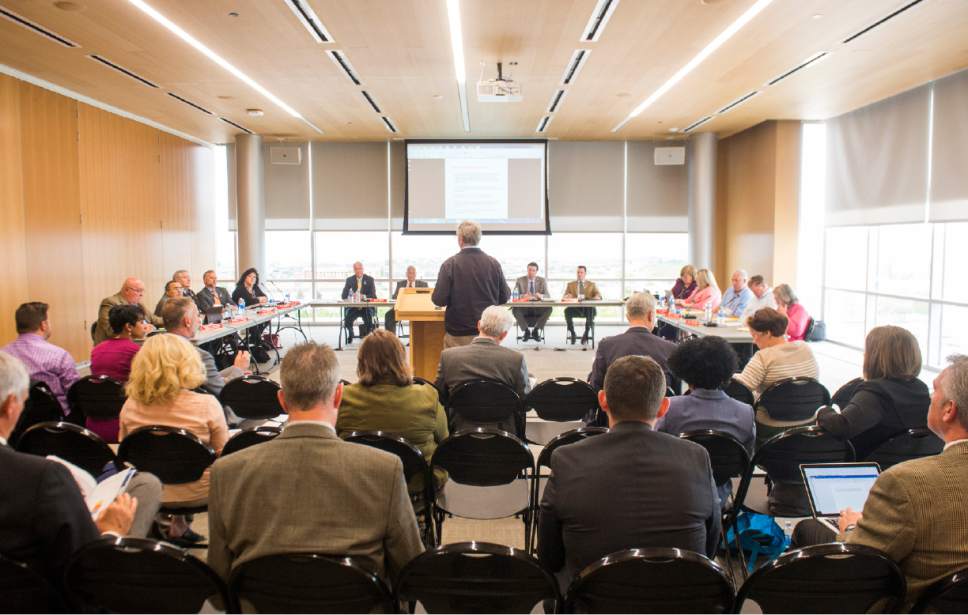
[(499, 184)]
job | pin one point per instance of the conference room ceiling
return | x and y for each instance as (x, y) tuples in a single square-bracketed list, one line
[(401, 52)]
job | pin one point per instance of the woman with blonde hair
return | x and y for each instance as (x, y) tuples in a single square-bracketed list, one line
[(888, 400), (706, 292), (159, 390)]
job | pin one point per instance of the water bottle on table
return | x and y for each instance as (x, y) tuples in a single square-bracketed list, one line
[(721, 317), (241, 306), (515, 295), (707, 313)]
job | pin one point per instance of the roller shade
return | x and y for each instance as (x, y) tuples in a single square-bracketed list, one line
[(349, 186), (398, 183), (949, 151), (286, 186), (877, 162), (658, 195), (233, 196), (586, 185)]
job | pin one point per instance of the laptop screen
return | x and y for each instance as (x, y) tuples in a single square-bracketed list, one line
[(836, 486)]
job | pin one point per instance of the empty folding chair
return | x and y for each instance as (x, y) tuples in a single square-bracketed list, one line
[(561, 404), (485, 403), (252, 398)]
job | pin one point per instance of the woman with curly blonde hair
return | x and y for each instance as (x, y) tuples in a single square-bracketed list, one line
[(159, 390)]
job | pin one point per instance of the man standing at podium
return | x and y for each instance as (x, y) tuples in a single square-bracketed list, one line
[(390, 320), (467, 283), (533, 288), (358, 287)]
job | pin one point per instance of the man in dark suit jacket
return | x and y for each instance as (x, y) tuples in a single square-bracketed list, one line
[(211, 296), (637, 340), (390, 320), (366, 287), (631, 487), (467, 283)]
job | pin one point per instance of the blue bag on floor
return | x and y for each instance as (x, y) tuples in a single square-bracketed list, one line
[(759, 535)]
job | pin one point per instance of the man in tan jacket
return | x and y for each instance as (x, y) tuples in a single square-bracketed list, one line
[(915, 512), (580, 290), (132, 293), (307, 491)]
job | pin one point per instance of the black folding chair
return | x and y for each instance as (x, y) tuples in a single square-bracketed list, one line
[(41, 407), (830, 578), (250, 437), (24, 590), (949, 595), (911, 444), (138, 575), (414, 465), (738, 391), (486, 403), (309, 583), (563, 403), (176, 456), (793, 399), (96, 397), (71, 443), (476, 577), (653, 580), (489, 472), (252, 397)]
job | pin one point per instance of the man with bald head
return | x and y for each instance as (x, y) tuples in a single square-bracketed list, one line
[(132, 293), (737, 296), (362, 286)]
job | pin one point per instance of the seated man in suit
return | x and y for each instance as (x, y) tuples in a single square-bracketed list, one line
[(173, 290), (630, 487), (132, 292), (307, 490), (185, 280), (638, 339), (44, 519), (362, 285), (915, 512), (579, 290), (211, 296), (390, 320), (532, 287), (484, 358)]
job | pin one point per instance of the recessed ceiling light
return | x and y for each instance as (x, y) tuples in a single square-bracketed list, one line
[(64, 5), (438, 97), (233, 14), (224, 97), (817, 15), (255, 112), (673, 130), (623, 95)]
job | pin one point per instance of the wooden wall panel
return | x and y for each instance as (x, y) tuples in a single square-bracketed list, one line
[(12, 223)]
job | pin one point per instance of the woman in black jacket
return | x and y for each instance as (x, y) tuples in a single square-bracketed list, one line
[(888, 400), (248, 289)]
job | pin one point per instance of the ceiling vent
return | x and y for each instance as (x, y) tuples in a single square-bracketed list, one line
[(801, 66), (596, 24), (370, 100), (697, 124), (555, 101), (737, 102), (543, 124), (36, 28), (308, 18), (577, 61), (389, 124), (285, 154), (123, 71), (189, 103), (239, 126), (344, 64), (880, 21)]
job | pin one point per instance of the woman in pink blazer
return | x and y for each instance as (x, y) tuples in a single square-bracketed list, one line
[(707, 291), (787, 303)]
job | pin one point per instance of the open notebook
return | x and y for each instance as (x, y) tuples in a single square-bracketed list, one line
[(97, 495)]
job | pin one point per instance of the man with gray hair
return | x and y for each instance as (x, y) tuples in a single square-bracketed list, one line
[(467, 283), (638, 339), (632, 486), (307, 490), (484, 359), (915, 513), (738, 296), (185, 279), (132, 292)]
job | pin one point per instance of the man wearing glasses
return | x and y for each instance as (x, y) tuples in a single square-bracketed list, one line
[(132, 293)]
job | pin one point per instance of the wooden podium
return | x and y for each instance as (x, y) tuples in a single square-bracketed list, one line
[(426, 330)]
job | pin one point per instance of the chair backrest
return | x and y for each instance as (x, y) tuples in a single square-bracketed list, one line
[(562, 399), (250, 437), (97, 397), (830, 578), (24, 590), (738, 391), (653, 580), (569, 437), (727, 455), (70, 442), (911, 444), (483, 457), (794, 399), (949, 595), (252, 397), (174, 455), (413, 460), (476, 577), (487, 401), (309, 583), (41, 407), (138, 575)]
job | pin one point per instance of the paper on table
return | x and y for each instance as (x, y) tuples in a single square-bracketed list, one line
[(107, 491)]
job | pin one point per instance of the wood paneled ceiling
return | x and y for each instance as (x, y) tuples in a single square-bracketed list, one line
[(400, 50)]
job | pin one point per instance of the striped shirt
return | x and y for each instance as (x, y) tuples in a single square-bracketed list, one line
[(46, 362), (769, 365)]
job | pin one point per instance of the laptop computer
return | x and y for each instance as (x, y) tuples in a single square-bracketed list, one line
[(213, 315), (832, 487)]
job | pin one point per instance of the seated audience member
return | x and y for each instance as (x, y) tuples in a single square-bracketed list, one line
[(737, 296), (788, 304), (707, 293), (888, 400), (706, 365), (43, 519), (384, 398), (249, 290), (532, 320), (580, 289), (45, 362), (915, 512), (185, 279), (630, 487), (159, 389), (132, 293), (390, 320), (637, 340), (173, 290), (762, 297), (112, 358), (307, 490), (484, 358), (685, 283), (211, 296), (776, 359), (363, 284)]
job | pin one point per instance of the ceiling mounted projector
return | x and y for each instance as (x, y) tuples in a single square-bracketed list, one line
[(500, 90)]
